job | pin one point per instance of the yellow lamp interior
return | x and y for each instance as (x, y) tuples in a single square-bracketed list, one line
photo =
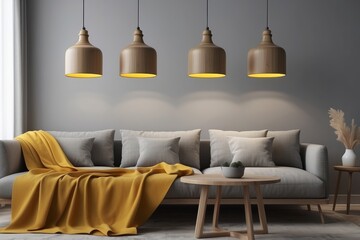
[(267, 75), (83, 75), (206, 75), (138, 75)]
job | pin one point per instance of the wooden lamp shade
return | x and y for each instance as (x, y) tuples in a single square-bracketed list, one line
[(267, 60), (138, 60), (207, 60), (83, 60)]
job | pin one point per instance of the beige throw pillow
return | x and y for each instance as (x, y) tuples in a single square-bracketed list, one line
[(219, 146), (157, 150), (252, 152)]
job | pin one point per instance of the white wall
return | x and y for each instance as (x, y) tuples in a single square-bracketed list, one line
[(321, 39)]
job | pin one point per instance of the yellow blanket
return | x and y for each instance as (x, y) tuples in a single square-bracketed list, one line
[(55, 197)]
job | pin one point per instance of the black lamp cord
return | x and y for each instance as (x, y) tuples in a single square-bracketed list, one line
[(83, 8), (207, 14), (267, 14), (138, 14)]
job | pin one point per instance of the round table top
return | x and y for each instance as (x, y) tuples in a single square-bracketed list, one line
[(347, 169), (220, 180)]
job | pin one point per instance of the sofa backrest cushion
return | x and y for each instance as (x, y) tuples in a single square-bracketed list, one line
[(102, 153), (189, 146), (11, 158), (204, 153), (286, 148)]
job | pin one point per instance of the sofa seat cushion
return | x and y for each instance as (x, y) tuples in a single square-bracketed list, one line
[(97, 168), (6, 185), (177, 189), (295, 183), (184, 190)]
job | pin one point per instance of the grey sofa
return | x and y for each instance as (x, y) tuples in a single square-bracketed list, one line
[(308, 186)]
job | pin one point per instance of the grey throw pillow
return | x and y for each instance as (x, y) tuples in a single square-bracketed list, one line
[(77, 150), (189, 146), (286, 148), (252, 152), (157, 150), (219, 146), (102, 153)]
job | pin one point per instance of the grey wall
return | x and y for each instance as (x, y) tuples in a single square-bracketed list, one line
[(321, 39)]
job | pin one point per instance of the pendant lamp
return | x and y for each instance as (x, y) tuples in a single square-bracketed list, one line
[(267, 60), (138, 60), (207, 60), (83, 60)]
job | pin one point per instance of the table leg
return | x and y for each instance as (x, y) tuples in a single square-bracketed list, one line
[(201, 211), (200, 220), (336, 189), (248, 214), (349, 193), (217, 208), (261, 209)]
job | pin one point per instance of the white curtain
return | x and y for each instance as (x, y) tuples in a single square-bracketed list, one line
[(12, 68)]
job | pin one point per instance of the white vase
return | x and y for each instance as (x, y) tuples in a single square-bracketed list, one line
[(349, 158)]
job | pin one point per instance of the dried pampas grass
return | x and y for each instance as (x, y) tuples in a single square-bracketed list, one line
[(350, 137)]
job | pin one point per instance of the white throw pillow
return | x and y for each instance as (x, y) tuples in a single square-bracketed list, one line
[(252, 152), (102, 153), (189, 146), (157, 150), (77, 150), (219, 146), (286, 148)]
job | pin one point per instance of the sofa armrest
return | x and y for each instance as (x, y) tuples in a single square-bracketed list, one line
[(11, 159), (315, 160)]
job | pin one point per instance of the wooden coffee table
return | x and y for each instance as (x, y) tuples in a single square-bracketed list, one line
[(206, 180)]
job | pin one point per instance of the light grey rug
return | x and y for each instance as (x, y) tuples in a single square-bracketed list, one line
[(178, 222)]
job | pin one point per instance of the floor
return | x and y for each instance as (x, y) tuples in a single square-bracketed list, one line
[(340, 210), (177, 222)]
